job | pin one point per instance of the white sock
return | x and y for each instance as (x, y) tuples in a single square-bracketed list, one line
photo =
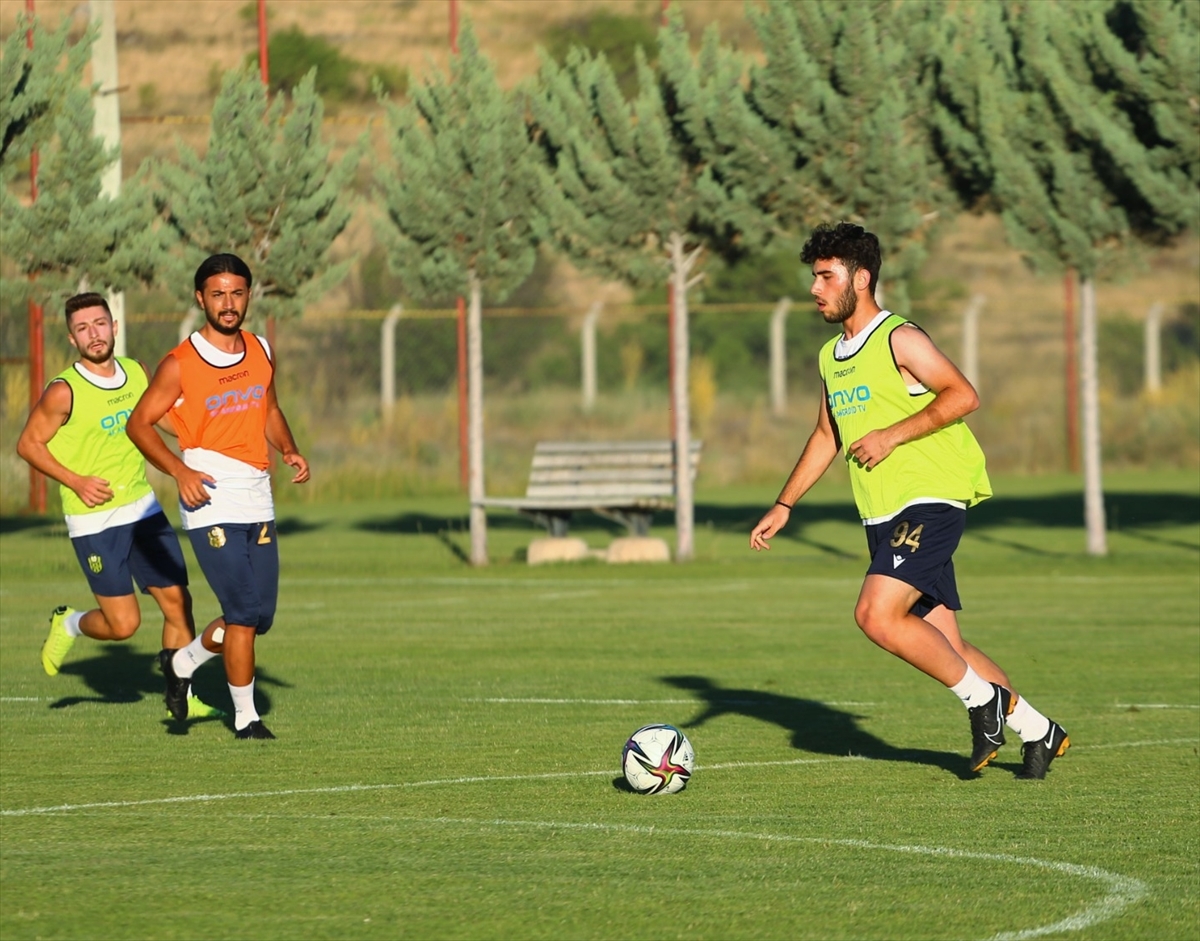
[(243, 705), (187, 659), (71, 623), (1027, 722), (973, 689)]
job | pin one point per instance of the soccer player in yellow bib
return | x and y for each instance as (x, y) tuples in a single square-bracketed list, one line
[(75, 435), (895, 404)]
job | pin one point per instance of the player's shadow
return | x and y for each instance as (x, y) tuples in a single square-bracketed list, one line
[(117, 674), (815, 726)]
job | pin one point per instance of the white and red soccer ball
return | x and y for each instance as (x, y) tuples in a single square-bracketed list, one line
[(658, 759)]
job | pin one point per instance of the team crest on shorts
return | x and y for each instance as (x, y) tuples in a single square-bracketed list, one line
[(96, 564), (216, 537)]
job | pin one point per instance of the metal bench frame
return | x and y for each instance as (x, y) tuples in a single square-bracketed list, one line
[(625, 481)]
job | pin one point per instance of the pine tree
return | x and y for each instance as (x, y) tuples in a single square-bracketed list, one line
[(462, 198), (71, 238), (1026, 116), (265, 190), (640, 186), (843, 90), (33, 84)]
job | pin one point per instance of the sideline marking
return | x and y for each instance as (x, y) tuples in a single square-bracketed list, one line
[(1161, 741), (1122, 890), (472, 779), (1152, 705), (23, 699), (650, 702)]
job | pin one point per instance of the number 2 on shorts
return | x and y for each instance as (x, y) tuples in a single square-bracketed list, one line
[(264, 538)]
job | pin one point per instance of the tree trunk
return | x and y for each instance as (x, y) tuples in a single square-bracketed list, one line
[(684, 513), (1093, 488), (479, 554)]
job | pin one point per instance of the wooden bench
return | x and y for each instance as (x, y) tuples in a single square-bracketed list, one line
[(626, 481)]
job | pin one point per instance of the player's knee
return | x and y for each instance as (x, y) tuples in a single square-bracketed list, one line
[(247, 614), (875, 622), (124, 625)]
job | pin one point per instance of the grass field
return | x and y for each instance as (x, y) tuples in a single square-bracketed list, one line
[(449, 740)]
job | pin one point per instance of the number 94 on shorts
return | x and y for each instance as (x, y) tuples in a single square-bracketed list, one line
[(917, 547)]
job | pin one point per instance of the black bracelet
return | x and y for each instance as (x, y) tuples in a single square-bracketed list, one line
[(781, 503)]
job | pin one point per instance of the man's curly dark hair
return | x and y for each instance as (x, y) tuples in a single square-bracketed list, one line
[(851, 244)]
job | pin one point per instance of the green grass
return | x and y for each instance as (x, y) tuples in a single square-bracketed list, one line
[(403, 798)]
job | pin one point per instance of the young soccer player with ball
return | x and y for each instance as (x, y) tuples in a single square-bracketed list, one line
[(896, 403)]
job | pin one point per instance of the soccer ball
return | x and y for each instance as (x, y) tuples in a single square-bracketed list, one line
[(658, 759)]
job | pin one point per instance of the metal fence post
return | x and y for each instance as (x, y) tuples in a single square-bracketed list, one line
[(387, 363), (188, 323), (779, 356), (970, 333), (587, 352), (1153, 349)]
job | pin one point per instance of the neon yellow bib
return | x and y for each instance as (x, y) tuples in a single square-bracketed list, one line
[(93, 440), (865, 393)]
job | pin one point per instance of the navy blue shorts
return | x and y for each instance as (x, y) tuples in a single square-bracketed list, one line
[(241, 563), (917, 547), (146, 551)]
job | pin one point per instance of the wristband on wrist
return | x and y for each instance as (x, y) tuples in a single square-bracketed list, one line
[(781, 503)]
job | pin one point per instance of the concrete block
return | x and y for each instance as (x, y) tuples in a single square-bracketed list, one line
[(638, 549), (556, 549)]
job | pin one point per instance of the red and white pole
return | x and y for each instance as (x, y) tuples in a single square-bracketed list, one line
[(37, 353)]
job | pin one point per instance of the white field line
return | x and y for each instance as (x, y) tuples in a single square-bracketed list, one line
[(1160, 741), (471, 779), (1122, 891), (642, 702), (1153, 705)]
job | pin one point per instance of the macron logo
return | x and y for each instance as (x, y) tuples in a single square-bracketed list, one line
[(898, 561)]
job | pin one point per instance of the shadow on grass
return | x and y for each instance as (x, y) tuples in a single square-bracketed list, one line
[(293, 526), (19, 524), (119, 675), (815, 726)]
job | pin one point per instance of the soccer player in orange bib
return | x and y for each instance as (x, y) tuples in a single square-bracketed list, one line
[(219, 387)]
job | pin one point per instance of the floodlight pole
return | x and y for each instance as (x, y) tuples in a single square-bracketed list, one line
[(264, 71), (37, 359), (461, 334), (106, 105), (263, 66)]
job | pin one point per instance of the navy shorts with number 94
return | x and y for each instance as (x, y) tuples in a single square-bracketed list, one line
[(917, 547)]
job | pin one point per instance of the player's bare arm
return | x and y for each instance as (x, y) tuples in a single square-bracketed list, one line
[(51, 411), (920, 361), (279, 436), (820, 450), (164, 424), (165, 388)]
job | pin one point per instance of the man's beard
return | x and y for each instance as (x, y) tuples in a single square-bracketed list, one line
[(98, 358), (844, 309), (214, 321)]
